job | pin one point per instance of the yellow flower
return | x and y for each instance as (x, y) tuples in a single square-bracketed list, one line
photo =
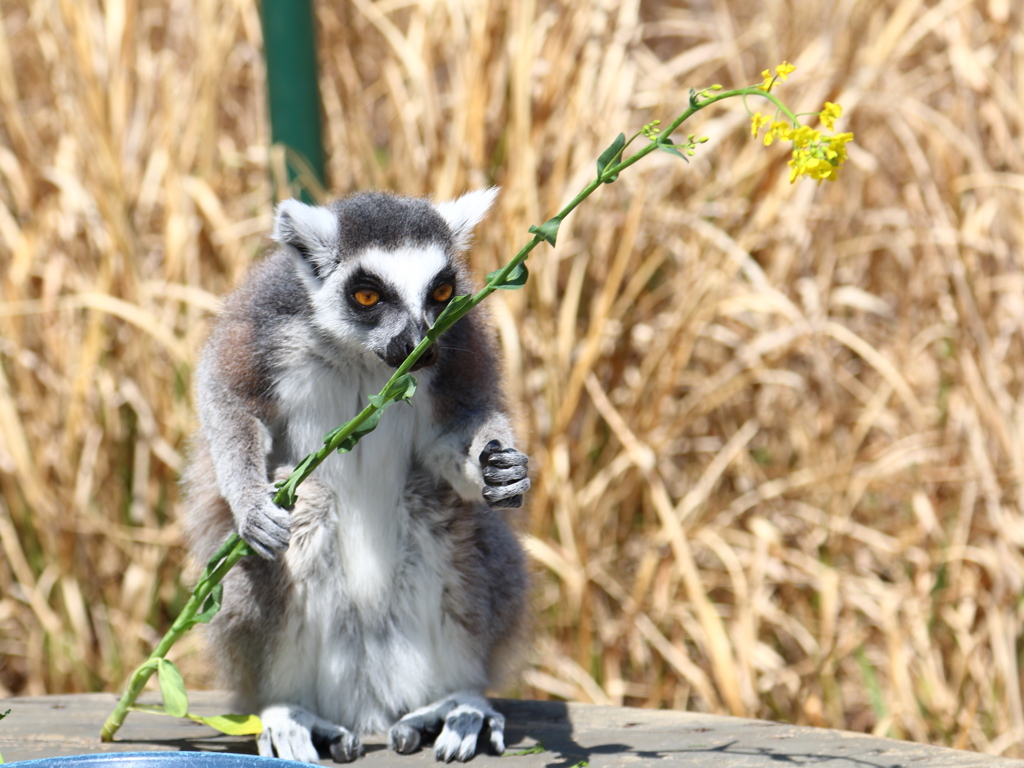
[(804, 136), (784, 70), (804, 163), (817, 158), (835, 151), (780, 130), (757, 122), (830, 114), (815, 155)]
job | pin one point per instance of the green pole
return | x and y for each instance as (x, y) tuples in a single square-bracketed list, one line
[(289, 44)]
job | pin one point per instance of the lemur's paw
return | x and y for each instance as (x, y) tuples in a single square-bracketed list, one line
[(404, 738), (286, 734), (292, 733), (345, 747), (462, 724), (505, 475), (463, 728), (266, 528)]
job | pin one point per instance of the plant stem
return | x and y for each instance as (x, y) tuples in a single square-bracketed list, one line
[(234, 548), (230, 552)]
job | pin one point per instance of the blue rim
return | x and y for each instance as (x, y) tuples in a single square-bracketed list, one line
[(158, 760)]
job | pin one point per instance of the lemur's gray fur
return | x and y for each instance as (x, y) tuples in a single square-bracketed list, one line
[(393, 593)]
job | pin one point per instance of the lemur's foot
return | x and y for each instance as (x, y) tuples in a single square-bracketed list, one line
[(504, 471), (459, 723), (292, 733)]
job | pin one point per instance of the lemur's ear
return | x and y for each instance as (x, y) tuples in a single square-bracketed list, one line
[(310, 230), (466, 212)]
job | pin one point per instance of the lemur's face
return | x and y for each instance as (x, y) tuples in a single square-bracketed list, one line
[(387, 299), (380, 269)]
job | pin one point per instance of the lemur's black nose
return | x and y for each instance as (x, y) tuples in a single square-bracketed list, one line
[(428, 358), (402, 345)]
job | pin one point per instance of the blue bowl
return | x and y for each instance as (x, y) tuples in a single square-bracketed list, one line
[(159, 760)]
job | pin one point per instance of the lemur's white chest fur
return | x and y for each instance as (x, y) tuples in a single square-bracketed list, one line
[(367, 483), (368, 637)]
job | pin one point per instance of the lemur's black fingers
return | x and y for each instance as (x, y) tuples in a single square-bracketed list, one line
[(407, 735), (459, 736), (345, 748), (505, 495), (404, 739), (504, 475), (267, 534), (495, 728), (509, 457), (485, 454), (513, 502), (264, 546)]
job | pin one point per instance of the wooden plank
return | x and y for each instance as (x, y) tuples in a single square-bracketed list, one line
[(604, 737)]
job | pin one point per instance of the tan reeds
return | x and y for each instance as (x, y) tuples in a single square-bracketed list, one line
[(776, 430)]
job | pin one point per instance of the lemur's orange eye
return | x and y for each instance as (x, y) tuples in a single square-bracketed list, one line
[(443, 292), (366, 297)]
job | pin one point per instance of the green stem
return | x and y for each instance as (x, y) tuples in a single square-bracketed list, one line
[(230, 552), (235, 549)]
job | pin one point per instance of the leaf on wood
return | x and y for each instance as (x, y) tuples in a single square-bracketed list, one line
[(536, 749), (233, 725), (172, 688)]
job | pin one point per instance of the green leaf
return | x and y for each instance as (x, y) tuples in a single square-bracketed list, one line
[(289, 485), (5, 714), (536, 749), (150, 709), (210, 606), (2, 716), (233, 725), (402, 388), (247, 550), (172, 688), (610, 155), (451, 313), (359, 432), (548, 230), (515, 280), (665, 145)]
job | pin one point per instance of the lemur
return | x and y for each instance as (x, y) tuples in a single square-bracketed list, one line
[(394, 592)]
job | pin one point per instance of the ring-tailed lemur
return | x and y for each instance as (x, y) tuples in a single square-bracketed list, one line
[(391, 595)]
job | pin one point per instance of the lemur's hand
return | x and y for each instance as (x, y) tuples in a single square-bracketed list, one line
[(504, 471), (266, 527)]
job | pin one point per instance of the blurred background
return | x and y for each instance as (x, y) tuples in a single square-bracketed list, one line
[(777, 432)]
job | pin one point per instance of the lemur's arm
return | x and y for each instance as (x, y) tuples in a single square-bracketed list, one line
[(239, 442), (480, 460), (475, 452)]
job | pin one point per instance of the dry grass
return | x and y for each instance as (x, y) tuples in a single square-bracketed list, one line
[(778, 431)]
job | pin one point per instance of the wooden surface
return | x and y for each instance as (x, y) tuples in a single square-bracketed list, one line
[(604, 737)]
